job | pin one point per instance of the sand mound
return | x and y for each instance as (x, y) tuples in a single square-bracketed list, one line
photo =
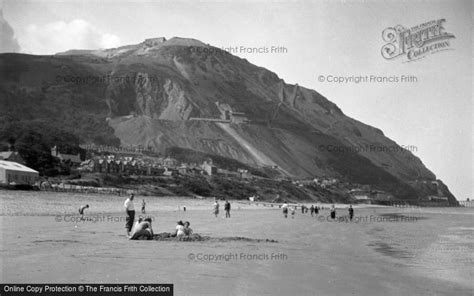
[(166, 236)]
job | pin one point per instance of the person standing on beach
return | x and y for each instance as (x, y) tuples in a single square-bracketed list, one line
[(333, 212), (216, 208), (285, 210), (130, 211), (143, 206), (311, 210), (316, 210), (351, 212), (227, 209), (81, 211)]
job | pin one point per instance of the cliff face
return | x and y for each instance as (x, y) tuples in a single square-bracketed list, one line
[(176, 88)]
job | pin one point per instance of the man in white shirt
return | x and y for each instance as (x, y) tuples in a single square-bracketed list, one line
[(130, 211)]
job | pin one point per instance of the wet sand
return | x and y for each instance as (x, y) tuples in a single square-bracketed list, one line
[(429, 255)]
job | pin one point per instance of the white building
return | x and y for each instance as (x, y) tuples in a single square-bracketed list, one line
[(360, 194), (15, 173)]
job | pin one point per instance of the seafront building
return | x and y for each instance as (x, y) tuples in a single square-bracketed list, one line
[(13, 173)]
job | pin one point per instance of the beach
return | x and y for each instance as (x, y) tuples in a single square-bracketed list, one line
[(383, 251)]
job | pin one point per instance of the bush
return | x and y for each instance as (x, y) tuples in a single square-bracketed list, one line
[(198, 186)]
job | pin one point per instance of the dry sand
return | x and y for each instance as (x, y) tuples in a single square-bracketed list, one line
[(429, 256)]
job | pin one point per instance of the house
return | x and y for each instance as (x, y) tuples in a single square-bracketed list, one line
[(184, 170), (437, 198), (155, 171), (197, 170), (227, 114), (209, 168), (73, 159), (238, 117), (12, 156), (112, 166), (225, 111), (228, 173), (380, 195), (87, 166), (433, 201), (170, 172), (170, 162), (15, 173), (245, 174), (360, 194)]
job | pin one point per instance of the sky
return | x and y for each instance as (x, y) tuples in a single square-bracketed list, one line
[(431, 109)]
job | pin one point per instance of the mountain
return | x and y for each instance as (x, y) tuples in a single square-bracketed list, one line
[(187, 94)]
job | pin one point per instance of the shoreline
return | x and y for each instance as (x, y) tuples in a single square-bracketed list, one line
[(18, 203)]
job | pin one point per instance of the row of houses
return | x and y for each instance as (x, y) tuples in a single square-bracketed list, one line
[(321, 182), (370, 195), (13, 170), (128, 165)]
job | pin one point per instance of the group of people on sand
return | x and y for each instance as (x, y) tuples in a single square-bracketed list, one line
[(183, 230), (314, 210), (285, 207), (215, 208), (143, 230)]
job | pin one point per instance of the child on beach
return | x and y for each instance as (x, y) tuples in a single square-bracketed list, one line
[(81, 211), (293, 210), (187, 230), (143, 206), (179, 229), (187, 233), (351, 212), (333, 212)]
